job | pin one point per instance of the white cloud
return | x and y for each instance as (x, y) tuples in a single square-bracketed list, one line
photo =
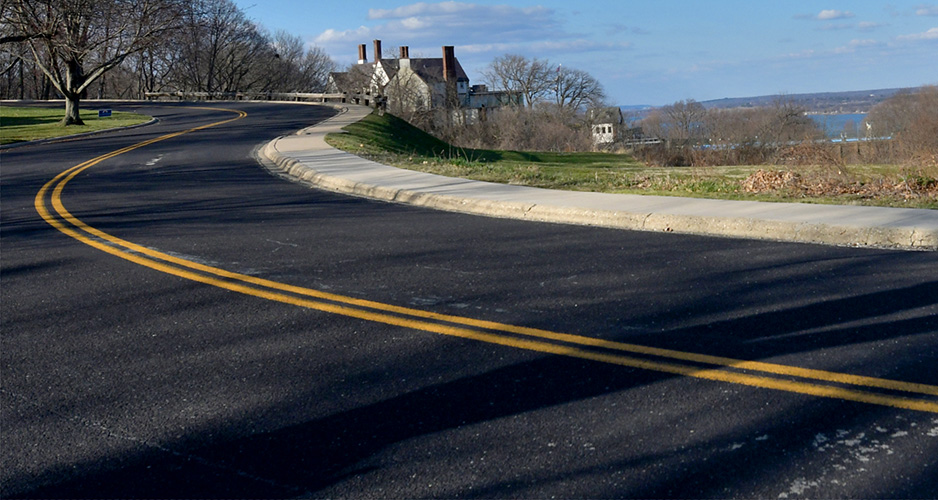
[(479, 33), (469, 17), (540, 48), (869, 26), (414, 23), (451, 8), (856, 44), (931, 34), (836, 27), (331, 35), (618, 29), (863, 43), (804, 54), (828, 15), (927, 10), (420, 9), (451, 23)]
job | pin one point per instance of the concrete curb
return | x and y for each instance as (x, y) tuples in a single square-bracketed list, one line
[(306, 158)]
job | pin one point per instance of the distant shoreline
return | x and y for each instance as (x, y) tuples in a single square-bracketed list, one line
[(833, 103)]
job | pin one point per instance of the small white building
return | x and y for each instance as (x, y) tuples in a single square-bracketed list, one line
[(607, 125)]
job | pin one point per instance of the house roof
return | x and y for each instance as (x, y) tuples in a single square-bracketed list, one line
[(610, 114), (360, 74), (428, 69), (341, 79), (432, 69)]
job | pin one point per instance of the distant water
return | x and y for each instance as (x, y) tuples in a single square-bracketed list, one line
[(833, 125)]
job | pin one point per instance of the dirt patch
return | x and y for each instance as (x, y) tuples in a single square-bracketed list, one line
[(808, 153), (762, 181), (828, 182)]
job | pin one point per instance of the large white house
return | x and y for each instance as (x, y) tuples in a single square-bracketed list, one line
[(415, 84)]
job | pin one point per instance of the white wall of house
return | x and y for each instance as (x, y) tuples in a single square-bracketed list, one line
[(379, 79), (408, 91), (604, 133)]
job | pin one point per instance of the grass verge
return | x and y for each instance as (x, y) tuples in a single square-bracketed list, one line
[(20, 124), (392, 141)]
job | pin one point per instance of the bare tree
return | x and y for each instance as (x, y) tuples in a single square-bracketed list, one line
[(530, 77), (315, 68), (219, 51), (10, 30), (736, 134), (297, 69), (155, 67), (680, 122), (358, 78), (893, 115), (75, 42), (284, 64), (13, 53), (732, 136), (911, 119), (788, 122), (686, 118), (575, 90), (222, 50)]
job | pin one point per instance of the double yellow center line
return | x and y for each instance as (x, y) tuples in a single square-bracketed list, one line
[(893, 393)]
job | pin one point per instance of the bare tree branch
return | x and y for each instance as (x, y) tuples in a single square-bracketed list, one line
[(75, 42)]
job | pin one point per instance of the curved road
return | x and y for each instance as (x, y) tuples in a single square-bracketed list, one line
[(178, 322)]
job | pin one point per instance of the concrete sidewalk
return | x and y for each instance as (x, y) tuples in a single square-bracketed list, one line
[(307, 158)]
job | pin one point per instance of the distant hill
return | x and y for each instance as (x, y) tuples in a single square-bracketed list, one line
[(854, 101)]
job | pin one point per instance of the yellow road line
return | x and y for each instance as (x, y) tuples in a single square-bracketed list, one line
[(415, 318)]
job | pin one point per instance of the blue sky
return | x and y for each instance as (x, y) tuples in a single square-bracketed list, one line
[(645, 52)]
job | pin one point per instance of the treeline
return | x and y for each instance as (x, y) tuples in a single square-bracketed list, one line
[(901, 129), (554, 100), (200, 46), (695, 135), (910, 121), (543, 127)]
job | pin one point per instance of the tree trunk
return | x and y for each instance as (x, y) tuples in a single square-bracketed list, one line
[(72, 116), (74, 79)]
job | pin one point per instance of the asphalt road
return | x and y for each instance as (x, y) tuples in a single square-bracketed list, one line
[(161, 354)]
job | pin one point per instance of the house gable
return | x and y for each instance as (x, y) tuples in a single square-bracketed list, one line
[(607, 125)]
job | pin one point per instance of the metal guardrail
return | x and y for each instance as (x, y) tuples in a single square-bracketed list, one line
[(251, 96), (642, 142)]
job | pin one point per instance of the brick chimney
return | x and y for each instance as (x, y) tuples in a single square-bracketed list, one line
[(449, 77), (377, 50), (404, 61), (449, 64), (362, 55)]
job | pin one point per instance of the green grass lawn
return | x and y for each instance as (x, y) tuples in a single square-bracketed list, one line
[(392, 141), (18, 124)]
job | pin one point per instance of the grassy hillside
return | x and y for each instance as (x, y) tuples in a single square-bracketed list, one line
[(392, 141), (388, 133)]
